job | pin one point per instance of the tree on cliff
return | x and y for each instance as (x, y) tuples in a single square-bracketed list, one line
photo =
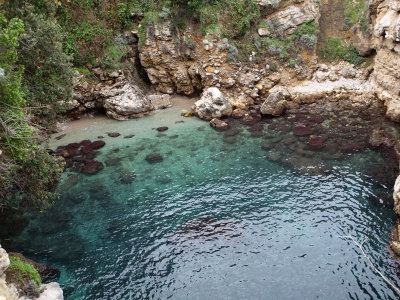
[(26, 170), (48, 73)]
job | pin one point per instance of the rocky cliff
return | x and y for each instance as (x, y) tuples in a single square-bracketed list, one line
[(385, 41), (21, 287)]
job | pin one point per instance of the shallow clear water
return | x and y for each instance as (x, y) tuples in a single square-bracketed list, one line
[(213, 220)]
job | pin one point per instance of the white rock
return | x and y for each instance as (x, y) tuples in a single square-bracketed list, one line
[(212, 105), (127, 102), (294, 16), (51, 291), (275, 104), (160, 101), (395, 5), (4, 261), (263, 32)]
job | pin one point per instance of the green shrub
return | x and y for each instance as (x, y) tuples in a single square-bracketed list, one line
[(24, 270), (334, 49), (47, 79), (27, 172), (307, 28)]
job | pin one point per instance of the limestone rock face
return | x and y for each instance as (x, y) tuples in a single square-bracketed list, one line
[(386, 75), (170, 68), (212, 105), (126, 101), (396, 196), (293, 15), (114, 93), (4, 261), (275, 104)]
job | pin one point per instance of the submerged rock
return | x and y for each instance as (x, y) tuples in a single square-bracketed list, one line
[(302, 130), (60, 136), (232, 132), (92, 167), (92, 146), (378, 137), (111, 162), (113, 134), (316, 142), (127, 176), (219, 125), (250, 119), (352, 147), (154, 158), (229, 139)]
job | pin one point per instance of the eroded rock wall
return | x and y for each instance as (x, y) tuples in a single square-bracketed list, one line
[(386, 41)]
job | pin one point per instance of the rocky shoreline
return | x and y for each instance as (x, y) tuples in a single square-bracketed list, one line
[(325, 110), (17, 284)]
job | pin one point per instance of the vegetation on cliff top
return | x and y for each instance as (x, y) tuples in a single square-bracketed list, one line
[(27, 171), (23, 270)]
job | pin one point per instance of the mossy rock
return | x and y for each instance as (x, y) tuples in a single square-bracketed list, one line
[(24, 276)]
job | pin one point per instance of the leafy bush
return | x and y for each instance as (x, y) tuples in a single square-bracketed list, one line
[(47, 79), (27, 172)]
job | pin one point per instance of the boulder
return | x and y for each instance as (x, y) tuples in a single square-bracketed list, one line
[(127, 101), (160, 101), (275, 104), (238, 113), (219, 124), (293, 16), (212, 105)]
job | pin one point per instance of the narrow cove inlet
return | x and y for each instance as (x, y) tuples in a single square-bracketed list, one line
[(202, 149), (246, 213)]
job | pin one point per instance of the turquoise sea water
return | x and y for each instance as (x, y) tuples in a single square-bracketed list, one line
[(213, 220)]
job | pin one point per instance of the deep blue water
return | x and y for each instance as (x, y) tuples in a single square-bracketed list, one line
[(214, 220)]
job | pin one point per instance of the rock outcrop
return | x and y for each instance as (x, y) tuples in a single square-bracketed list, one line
[(124, 100), (9, 291), (275, 104), (386, 38), (212, 105), (114, 92)]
